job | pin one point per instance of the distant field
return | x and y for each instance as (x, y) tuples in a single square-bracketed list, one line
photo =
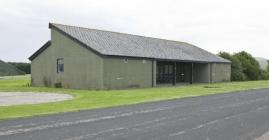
[(86, 99)]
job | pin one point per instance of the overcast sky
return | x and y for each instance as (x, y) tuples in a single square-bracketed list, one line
[(214, 25)]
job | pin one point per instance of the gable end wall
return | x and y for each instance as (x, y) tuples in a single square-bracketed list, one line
[(221, 72), (83, 69)]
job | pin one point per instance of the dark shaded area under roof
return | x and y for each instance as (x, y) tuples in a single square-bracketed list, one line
[(120, 44)]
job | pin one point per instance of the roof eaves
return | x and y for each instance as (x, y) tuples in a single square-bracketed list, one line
[(162, 59), (39, 51)]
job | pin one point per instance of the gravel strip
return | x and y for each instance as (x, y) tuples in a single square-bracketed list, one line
[(20, 98)]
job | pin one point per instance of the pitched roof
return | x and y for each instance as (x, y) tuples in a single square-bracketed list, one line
[(39, 51), (121, 44)]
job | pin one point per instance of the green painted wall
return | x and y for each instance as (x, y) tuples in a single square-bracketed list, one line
[(201, 73), (119, 74), (41, 69), (212, 72), (82, 68), (221, 72)]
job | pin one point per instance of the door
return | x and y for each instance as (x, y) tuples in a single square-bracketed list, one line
[(180, 72), (164, 72)]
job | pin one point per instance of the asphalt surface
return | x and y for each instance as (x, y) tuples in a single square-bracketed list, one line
[(233, 116)]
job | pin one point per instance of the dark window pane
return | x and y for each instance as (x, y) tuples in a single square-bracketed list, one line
[(60, 65), (171, 69), (166, 69)]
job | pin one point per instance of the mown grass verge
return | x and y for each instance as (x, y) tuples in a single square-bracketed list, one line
[(91, 99)]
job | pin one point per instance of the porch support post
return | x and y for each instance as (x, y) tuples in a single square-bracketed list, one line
[(191, 80), (174, 73), (154, 74)]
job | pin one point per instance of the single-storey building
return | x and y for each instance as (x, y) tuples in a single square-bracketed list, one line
[(83, 58)]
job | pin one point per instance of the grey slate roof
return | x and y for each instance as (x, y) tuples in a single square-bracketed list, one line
[(120, 44)]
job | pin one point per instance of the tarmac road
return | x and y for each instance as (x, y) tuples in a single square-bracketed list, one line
[(231, 116)]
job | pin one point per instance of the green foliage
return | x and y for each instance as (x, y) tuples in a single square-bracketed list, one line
[(251, 67), (267, 65), (8, 70), (244, 67), (25, 67), (225, 55), (237, 73), (264, 75)]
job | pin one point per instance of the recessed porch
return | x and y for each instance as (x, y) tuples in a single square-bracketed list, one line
[(182, 73)]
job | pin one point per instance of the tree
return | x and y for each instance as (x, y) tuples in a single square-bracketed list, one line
[(236, 67), (267, 65), (250, 66), (225, 55), (25, 67), (264, 75)]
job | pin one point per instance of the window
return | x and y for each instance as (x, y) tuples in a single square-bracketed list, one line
[(166, 69), (165, 72), (171, 69), (60, 65)]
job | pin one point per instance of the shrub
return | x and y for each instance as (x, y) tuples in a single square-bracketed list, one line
[(264, 75), (251, 67), (236, 67), (267, 65), (245, 67)]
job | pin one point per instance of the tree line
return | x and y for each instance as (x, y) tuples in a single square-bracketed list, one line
[(245, 67), (25, 67)]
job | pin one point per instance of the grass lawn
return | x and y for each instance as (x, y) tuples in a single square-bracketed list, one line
[(85, 99)]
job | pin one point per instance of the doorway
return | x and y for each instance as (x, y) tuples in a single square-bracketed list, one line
[(168, 72)]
